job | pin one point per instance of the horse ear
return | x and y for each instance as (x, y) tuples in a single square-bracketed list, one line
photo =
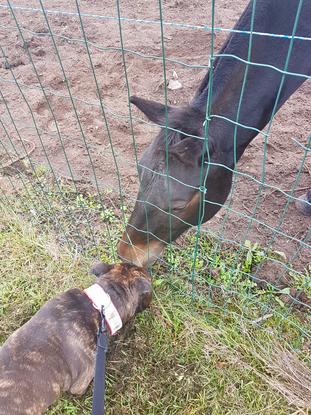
[(154, 111)]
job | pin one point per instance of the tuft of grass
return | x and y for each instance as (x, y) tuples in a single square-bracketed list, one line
[(212, 342), (33, 269)]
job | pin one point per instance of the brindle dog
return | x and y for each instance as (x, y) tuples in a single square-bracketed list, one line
[(54, 351)]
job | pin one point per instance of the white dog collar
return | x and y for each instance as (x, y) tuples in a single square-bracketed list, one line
[(100, 299)]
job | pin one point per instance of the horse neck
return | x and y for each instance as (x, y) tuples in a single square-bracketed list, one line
[(262, 96)]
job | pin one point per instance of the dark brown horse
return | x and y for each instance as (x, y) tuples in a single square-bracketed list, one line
[(168, 204)]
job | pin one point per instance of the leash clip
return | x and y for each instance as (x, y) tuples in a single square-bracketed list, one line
[(102, 338)]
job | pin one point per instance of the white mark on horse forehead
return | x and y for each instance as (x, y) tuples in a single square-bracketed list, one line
[(6, 383)]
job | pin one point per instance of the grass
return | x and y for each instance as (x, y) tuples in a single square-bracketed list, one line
[(216, 345)]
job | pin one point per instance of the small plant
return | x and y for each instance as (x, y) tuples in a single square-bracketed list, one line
[(107, 215), (253, 257), (40, 171), (302, 280), (172, 258), (88, 202)]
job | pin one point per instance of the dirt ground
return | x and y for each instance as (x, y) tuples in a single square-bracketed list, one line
[(50, 118)]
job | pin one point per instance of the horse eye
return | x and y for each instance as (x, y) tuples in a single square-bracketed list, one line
[(182, 136), (177, 206)]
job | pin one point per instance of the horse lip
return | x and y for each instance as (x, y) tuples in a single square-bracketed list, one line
[(140, 255)]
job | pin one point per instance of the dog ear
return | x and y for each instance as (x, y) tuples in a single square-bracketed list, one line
[(100, 268), (144, 288)]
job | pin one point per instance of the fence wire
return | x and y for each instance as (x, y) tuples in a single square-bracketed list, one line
[(47, 182)]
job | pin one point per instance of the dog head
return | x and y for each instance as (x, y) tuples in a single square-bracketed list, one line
[(129, 287)]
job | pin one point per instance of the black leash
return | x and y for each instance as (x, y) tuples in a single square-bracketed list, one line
[(98, 405)]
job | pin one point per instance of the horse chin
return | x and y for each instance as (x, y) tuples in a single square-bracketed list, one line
[(140, 255)]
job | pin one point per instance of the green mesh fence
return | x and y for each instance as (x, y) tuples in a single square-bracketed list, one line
[(71, 142)]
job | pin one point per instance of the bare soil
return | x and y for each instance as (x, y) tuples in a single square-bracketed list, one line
[(64, 121)]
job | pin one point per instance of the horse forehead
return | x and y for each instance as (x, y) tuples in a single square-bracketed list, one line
[(152, 161)]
